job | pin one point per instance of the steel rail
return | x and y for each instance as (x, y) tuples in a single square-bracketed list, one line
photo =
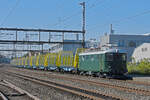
[(3, 96), (107, 85), (139, 82), (130, 81), (91, 94), (21, 91)]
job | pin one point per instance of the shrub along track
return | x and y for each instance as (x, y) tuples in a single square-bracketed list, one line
[(119, 87), (91, 94)]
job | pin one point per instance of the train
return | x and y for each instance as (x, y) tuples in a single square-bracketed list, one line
[(107, 64)]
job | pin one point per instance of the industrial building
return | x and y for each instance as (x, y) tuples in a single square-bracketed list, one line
[(67, 47), (142, 52), (92, 43), (127, 42)]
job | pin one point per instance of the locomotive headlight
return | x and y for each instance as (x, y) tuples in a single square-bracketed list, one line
[(109, 67)]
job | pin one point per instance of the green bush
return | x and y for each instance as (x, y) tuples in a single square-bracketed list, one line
[(141, 68)]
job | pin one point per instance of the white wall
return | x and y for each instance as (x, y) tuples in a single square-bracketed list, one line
[(142, 52)]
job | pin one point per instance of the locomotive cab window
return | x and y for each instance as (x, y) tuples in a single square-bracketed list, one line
[(124, 57), (109, 57), (120, 57), (98, 56), (86, 57)]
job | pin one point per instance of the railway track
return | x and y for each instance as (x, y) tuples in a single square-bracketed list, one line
[(3, 96), (123, 88), (119, 87), (12, 92), (130, 81), (127, 81), (90, 94), (138, 82)]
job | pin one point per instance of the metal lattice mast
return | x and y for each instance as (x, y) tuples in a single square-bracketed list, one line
[(83, 22)]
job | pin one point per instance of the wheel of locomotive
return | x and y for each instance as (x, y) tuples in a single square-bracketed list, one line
[(96, 74), (101, 75), (80, 73)]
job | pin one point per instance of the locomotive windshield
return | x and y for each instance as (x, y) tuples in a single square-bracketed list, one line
[(115, 56)]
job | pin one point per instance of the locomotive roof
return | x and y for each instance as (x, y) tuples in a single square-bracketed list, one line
[(102, 52)]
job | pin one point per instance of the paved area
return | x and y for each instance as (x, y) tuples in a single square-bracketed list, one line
[(144, 78)]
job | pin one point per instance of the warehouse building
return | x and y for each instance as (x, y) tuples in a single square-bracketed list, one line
[(67, 47), (142, 52), (92, 43), (127, 42)]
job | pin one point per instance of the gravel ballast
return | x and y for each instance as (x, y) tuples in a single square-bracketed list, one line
[(106, 90), (43, 92)]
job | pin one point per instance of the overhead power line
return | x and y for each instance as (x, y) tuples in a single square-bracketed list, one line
[(10, 12), (134, 16), (123, 19), (79, 12)]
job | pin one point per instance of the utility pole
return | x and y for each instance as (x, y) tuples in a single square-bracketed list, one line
[(27, 39), (15, 44), (49, 36), (83, 22), (16, 36), (39, 40), (63, 36)]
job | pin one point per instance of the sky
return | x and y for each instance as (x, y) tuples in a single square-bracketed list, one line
[(127, 16)]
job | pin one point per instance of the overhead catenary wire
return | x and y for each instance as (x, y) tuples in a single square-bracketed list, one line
[(77, 13), (133, 16), (10, 12), (123, 19), (93, 6)]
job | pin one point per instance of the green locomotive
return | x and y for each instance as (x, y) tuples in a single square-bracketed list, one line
[(109, 63)]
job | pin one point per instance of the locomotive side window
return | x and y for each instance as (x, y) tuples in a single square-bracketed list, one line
[(92, 58), (83, 58), (86, 57), (97, 56), (119, 57), (109, 57)]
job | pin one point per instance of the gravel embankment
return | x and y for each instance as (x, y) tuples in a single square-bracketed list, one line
[(43, 92), (96, 79), (142, 78), (123, 94), (106, 90), (13, 94)]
